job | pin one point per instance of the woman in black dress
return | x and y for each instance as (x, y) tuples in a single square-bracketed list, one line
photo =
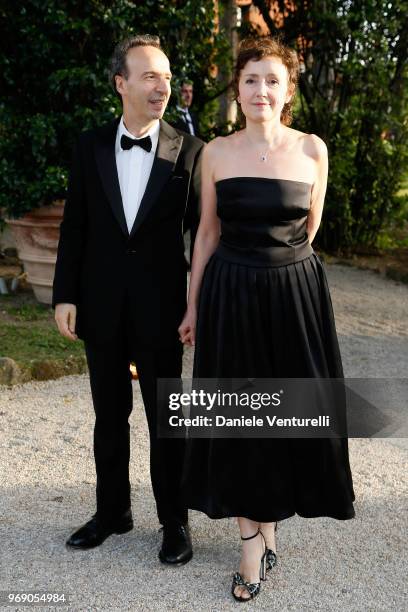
[(259, 306)]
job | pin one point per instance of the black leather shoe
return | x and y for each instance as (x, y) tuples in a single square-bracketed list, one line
[(176, 548), (94, 532)]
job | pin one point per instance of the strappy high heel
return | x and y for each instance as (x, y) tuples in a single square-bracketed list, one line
[(252, 588), (271, 558)]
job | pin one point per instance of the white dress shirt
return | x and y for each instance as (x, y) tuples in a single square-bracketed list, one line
[(134, 167), (187, 118)]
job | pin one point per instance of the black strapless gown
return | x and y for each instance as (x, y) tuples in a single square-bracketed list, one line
[(265, 311)]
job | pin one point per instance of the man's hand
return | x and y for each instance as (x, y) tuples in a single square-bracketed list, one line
[(65, 316)]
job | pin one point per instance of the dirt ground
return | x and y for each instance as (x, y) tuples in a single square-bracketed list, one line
[(47, 489)]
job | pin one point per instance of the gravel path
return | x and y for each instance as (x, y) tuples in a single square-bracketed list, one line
[(47, 490)]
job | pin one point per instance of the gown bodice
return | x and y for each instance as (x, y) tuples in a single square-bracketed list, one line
[(263, 220)]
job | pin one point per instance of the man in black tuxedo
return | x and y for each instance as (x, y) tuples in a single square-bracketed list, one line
[(120, 283)]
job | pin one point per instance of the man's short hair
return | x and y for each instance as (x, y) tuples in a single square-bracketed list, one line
[(118, 64)]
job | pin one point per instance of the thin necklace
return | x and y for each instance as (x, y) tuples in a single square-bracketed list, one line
[(264, 156)]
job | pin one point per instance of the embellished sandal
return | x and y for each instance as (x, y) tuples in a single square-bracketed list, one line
[(271, 558), (252, 588)]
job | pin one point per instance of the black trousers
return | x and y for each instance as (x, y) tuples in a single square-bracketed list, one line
[(111, 386)]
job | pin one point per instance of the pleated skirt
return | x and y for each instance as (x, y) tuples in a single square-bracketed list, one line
[(267, 322)]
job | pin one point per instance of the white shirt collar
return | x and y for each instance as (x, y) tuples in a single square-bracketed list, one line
[(153, 132), (183, 110)]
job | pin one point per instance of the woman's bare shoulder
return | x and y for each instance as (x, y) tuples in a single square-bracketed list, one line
[(315, 146), (312, 142), (219, 145)]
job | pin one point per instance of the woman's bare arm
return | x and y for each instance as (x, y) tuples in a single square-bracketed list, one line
[(207, 239), (319, 152), (208, 233)]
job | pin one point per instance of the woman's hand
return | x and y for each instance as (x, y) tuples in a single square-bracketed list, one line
[(188, 327)]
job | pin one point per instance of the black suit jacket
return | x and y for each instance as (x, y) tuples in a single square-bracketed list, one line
[(100, 266)]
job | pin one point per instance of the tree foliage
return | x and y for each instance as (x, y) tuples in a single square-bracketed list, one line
[(353, 94), (54, 82)]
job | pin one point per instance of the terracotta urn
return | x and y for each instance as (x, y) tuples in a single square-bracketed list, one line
[(36, 235)]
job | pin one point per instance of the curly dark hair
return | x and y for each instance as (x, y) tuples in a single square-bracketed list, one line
[(256, 48)]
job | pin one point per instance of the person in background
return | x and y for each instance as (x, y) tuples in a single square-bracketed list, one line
[(187, 119)]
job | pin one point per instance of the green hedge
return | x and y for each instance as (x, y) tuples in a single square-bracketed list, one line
[(353, 94)]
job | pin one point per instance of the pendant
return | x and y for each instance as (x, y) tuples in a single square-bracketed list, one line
[(263, 158)]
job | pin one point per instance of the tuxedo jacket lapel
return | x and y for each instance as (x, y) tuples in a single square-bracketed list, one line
[(106, 162), (168, 149)]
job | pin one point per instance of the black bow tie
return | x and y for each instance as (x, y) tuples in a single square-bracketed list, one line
[(127, 143)]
